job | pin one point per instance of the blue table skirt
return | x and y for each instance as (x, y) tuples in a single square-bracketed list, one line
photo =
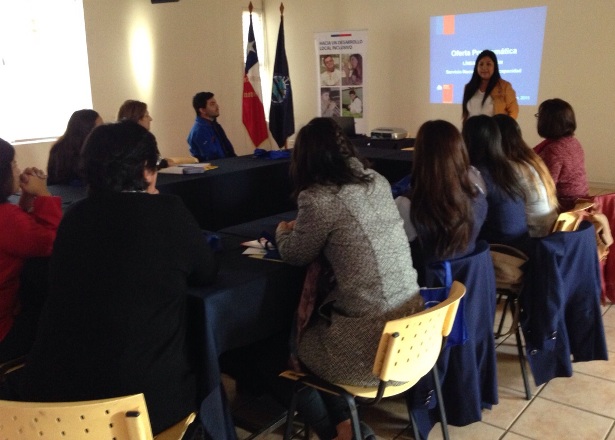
[(251, 300)]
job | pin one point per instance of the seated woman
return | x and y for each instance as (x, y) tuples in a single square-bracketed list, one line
[(28, 230), (63, 164), (536, 182), (136, 111), (114, 322), (446, 206), (346, 216), (561, 151), (505, 222)]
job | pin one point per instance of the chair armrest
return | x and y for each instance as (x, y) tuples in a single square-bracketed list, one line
[(177, 431), (10, 366)]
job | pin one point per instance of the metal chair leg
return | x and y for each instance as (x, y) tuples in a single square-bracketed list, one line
[(514, 308), (290, 416), (443, 422), (354, 415), (507, 303), (526, 382), (415, 429)]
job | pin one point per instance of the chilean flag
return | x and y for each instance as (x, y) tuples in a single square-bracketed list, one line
[(253, 112)]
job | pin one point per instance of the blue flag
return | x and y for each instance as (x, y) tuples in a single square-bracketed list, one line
[(281, 116)]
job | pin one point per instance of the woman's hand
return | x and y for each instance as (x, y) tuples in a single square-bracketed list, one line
[(34, 182)]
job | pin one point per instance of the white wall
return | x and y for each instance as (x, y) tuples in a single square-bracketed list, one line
[(197, 45)]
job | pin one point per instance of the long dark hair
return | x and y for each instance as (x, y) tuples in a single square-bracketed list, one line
[(63, 164), (7, 155), (518, 152), (321, 156), (474, 83), (484, 143), (358, 72), (442, 192)]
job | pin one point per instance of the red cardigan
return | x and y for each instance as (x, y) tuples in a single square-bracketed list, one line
[(23, 235), (566, 162)]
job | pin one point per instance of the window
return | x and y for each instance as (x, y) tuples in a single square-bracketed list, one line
[(259, 36), (44, 73)]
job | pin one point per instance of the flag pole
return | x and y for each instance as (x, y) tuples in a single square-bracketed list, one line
[(281, 118)]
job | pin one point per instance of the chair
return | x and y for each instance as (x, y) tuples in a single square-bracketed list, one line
[(121, 418), (469, 371), (508, 264), (409, 348), (10, 366), (606, 204)]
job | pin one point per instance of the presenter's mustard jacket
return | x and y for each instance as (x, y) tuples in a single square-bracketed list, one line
[(504, 99)]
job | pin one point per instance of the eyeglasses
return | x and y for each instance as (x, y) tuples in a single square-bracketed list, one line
[(159, 162)]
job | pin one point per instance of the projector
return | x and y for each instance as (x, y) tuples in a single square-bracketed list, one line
[(389, 133)]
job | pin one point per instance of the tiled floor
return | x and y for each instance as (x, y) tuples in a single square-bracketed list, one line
[(579, 407)]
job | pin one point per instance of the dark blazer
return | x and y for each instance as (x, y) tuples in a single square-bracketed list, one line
[(114, 322), (468, 372), (560, 304)]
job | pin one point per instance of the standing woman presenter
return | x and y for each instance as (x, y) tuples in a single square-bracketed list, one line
[(487, 93)]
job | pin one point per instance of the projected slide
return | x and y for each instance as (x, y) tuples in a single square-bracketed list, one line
[(514, 35)]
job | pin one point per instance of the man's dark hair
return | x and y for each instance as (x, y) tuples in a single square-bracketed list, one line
[(200, 100)]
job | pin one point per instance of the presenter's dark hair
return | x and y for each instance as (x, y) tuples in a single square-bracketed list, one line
[(442, 192), (132, 110), (7, 155), (63, 163), (483, 140), (200, 100), (115, 155), (474, 83), (322, 156), (556, 119)]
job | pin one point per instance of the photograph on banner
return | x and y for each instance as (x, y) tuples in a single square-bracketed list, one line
[(329, 102), (341, 62), (352, 65), (352, 102), (330, 71)]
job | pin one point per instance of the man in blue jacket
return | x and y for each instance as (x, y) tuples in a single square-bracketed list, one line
[(207, 138)]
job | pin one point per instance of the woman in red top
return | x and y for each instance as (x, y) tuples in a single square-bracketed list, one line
[(561, 152), (28, 230)]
